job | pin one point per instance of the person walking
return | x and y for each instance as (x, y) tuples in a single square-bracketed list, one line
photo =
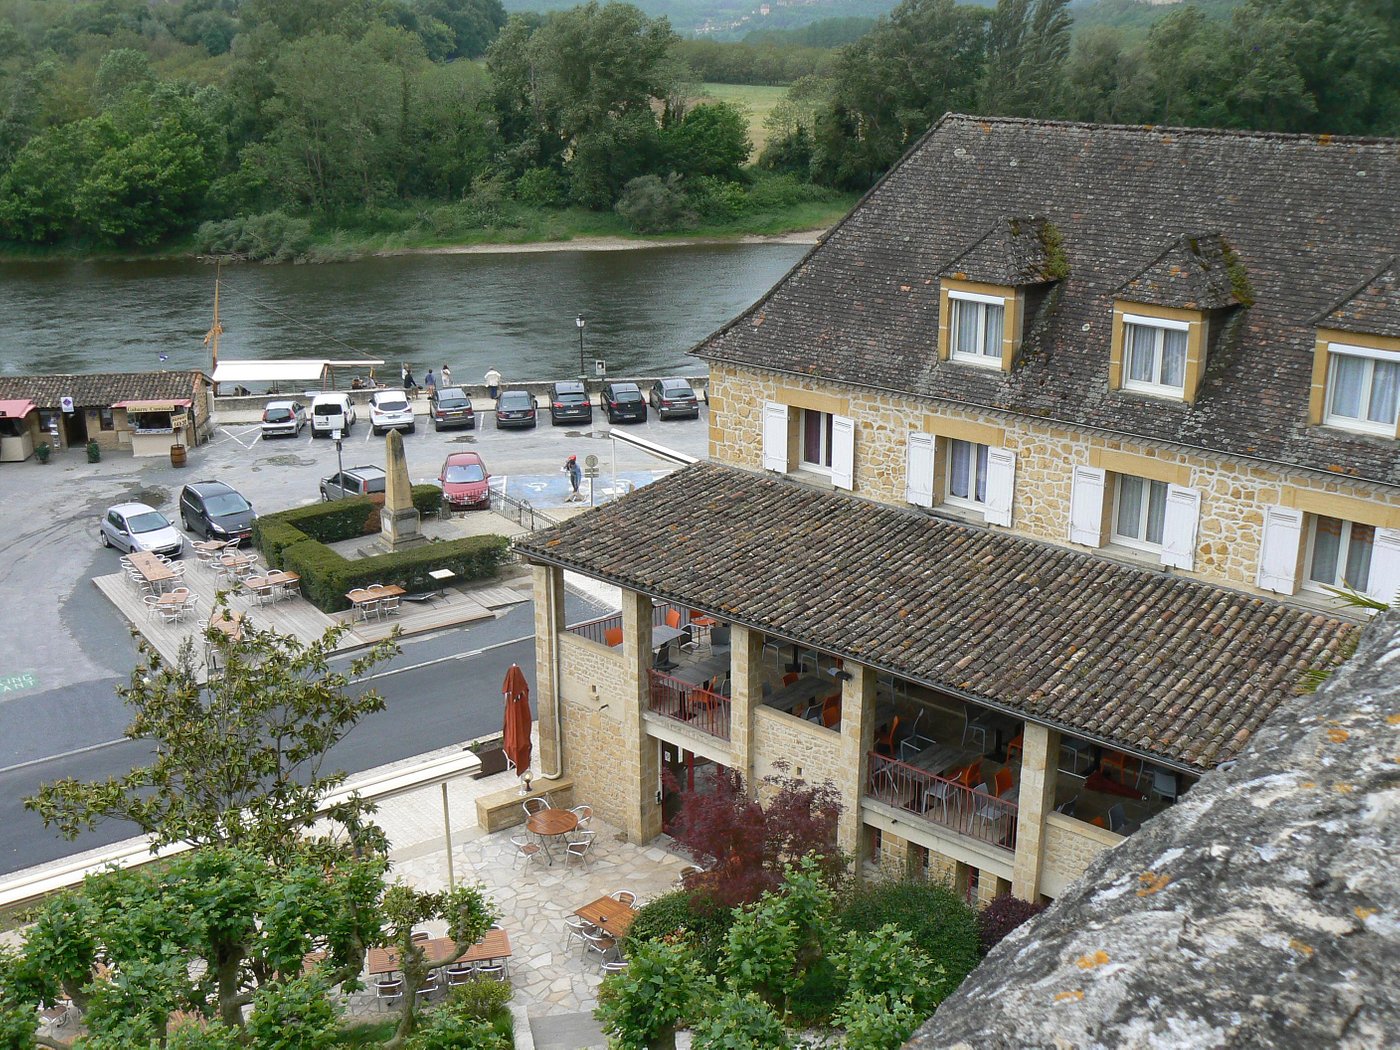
[(446, 374), (493, 384), (430, 383), (571, 468)]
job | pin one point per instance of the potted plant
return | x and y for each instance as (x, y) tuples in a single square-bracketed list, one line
[(492, 754), (42, 451), (94, 452)]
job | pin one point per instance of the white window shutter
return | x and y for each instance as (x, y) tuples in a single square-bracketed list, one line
[(1179, 527), (775, 437), (1278, 551), (1384, 584), (1086, 506), (918, 480), (1001, 486), (843, 452)]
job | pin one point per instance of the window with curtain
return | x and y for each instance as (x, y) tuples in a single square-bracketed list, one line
[(1339, 554), (967, 473), (816, 438), (1139, 512), (976, 328), (1363, 391), (1154, 358)]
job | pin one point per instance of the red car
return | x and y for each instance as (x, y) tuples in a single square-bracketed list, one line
[(465, 481)]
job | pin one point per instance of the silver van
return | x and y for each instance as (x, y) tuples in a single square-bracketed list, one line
[(332, 412)]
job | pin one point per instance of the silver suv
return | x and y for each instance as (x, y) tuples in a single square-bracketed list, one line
[(353, 481), (391, 410)]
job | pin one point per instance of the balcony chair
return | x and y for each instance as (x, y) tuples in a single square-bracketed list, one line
[(612, 637), (1002, 782), (975, 729), (790, 677), (831, 711), (673, 619), (1075, 757), (1165, 785), (1118, 766), (915, 741), (1068, 807), (1117, 819), (884, 738)]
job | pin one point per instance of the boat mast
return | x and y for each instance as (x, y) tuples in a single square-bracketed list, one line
[(211, 338)]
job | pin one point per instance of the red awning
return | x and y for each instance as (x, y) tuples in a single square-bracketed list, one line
[(168, 405), (16, 409)]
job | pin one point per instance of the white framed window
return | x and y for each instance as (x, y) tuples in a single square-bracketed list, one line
[(966, 475), (1363, 389), (816, 439), (1139, 512), (1339, 554), (975, 327), (1154, 355)]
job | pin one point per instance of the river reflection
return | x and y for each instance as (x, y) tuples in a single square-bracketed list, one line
[(644, 308)]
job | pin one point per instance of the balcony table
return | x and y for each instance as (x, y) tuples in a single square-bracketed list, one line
[(701, 671), (801, 693)]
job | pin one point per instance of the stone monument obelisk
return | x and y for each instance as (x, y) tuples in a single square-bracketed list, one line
[(398, 520)]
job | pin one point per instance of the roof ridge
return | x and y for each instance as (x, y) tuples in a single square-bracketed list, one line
[(1318, 138)]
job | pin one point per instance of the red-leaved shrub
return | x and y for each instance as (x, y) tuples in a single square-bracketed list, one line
[(1003, 914)]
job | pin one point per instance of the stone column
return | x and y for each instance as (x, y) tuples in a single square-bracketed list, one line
[(639, 762), (857, 739), (549, 621), (1035, 799), (746, 679)]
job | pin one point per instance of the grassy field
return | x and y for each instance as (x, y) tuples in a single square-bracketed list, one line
[(756, 100)]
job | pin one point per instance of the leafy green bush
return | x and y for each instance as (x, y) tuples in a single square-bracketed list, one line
[(875, 1023), (680, 911), (941, 923), (326, 576), (739, 1020), (483, 1000), (541, 188), (475, 1017), (653, 997), (295, 1015), (650, 204), (273, 237)]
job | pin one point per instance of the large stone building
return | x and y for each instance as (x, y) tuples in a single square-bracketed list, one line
[(1031, 485)]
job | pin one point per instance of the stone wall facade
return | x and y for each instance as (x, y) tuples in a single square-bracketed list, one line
[(1234, 493), (592, 725), (1070, 846), (811, 752)]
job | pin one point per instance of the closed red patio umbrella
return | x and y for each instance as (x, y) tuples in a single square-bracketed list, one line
[(516, 734)]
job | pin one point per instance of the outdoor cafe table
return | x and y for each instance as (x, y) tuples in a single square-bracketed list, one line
[(608, 914), (265, 587), (230, 623), (701, 671), (550, 824), (362, 597), (439, 952), (802, 692), (152, 569)]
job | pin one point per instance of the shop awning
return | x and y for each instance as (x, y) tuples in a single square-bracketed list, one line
[(153, 406), (16, 409), (298, 371)]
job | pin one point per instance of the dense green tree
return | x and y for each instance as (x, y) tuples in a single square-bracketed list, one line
[(711, 139), (38, 193), (474, 24), (1026, 48)]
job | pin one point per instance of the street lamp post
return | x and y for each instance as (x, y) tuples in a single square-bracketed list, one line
[(582, 367), (339, 463)]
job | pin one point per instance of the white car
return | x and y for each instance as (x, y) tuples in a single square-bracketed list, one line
[(283, 419), (390, 410), (137, 527)]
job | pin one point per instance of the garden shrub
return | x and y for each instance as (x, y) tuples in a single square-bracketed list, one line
[(272, 237), (739, 1020), (650, 204), (295, 1015), (483, 1000), (326, 576), (941, 923), (681, 912), (658, 992), (1003, 914), (875, 1023)]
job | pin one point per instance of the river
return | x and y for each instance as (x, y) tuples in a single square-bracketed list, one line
[(644, 309)]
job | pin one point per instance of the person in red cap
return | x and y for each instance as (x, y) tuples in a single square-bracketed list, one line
[(571, 468)]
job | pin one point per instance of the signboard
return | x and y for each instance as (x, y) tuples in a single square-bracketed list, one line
[(590, 466), (600, 367), (66, 403)]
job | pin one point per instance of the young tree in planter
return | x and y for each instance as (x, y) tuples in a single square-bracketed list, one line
[(238, 762), (748, 842)]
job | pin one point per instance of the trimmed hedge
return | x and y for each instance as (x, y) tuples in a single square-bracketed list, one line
[(297, 540), (326, 576)]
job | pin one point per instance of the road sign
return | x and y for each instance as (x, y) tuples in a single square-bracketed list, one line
[(590, 461), (600, 367)]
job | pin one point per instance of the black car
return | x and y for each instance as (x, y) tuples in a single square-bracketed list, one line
[(568, 403), (215, 511), (623, 402), (673, 397), (515, 408), (450, 407)]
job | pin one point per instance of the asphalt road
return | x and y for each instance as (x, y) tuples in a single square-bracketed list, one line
[(64, 647)]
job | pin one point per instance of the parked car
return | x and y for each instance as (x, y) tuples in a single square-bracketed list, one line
[(465, 481), (332, 412), (137, 527), (450, 407), (568, 403), (215, 511), (283, 419), (390, 410), (515, 408), (353, 481), (674, 397), (623, 402)]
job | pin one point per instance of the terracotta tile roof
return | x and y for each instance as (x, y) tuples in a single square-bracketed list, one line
[(1372, 309), (1193, 273), (1309, 219), (1143, 660), (95, 389)]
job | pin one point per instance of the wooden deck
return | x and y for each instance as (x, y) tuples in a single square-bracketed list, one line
[(297, 616)]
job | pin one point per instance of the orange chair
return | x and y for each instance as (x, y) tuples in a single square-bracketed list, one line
[(613, 637), (1002, 782), (701, 620), (831, 711), (1117, 765), (790, 677), (1017, 744), (673, 619), (971, 774)]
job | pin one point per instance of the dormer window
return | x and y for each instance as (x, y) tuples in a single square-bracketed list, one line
[(1363, 389), (1154, 350), (977, 327)]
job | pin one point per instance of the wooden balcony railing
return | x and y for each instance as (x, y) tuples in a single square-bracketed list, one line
[(689, 703), (944, 802)]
